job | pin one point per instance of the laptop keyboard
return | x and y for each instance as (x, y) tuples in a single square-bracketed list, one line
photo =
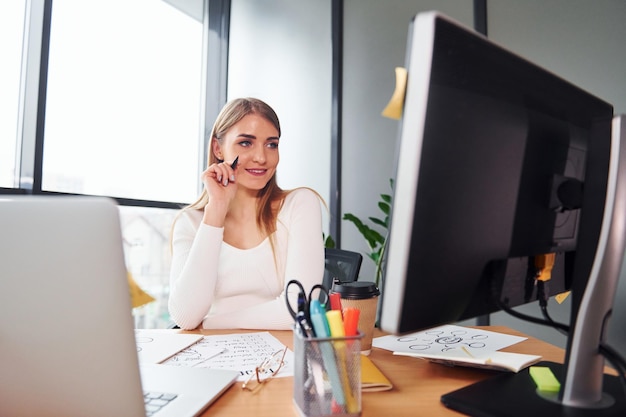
[(155, 401)]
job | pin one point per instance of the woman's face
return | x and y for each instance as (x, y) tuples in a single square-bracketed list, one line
[(255, 141)]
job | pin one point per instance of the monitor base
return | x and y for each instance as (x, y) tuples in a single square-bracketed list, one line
[(515, 395)]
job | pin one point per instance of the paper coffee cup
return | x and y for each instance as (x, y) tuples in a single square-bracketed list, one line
[(364, 296)]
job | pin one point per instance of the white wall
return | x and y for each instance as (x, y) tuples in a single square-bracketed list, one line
[(580, 40), (375, 34)]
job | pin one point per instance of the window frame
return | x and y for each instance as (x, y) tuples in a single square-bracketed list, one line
[(32, 106)]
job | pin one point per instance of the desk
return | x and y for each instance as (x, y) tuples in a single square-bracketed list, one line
[(418, 384)]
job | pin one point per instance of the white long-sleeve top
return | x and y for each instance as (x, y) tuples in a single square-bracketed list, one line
[(219, 286)]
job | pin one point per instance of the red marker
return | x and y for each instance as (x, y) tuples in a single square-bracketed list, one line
[(335, 301), (351, 320)]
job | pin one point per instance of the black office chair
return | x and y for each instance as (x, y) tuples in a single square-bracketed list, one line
[(341, 266)]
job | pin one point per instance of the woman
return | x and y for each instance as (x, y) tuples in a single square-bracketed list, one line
[(234, 250)]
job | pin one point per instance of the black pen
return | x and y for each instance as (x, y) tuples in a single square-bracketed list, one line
[(234, 164), (304, 325)]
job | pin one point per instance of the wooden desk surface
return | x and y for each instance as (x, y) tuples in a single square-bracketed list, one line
[(418, 384)]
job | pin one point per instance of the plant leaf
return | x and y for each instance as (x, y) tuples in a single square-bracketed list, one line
[(368, 234), (378, 221), (374, 238)]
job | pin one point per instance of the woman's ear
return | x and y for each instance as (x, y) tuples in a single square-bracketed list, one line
[(217, 150)]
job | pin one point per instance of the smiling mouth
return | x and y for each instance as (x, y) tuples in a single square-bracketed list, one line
[(256, 171)]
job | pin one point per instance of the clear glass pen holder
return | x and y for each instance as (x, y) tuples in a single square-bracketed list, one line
[(327, 375)]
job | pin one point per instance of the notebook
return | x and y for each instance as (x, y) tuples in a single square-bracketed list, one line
[(67, 343)]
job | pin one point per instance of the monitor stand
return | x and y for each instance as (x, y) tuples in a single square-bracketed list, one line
[(515, 395)]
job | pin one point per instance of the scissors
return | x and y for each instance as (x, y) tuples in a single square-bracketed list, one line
[(302, 313)]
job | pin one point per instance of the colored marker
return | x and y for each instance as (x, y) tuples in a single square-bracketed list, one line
[(335, 322), (335, 301), (320, 325), (337, 330), (351, 321)]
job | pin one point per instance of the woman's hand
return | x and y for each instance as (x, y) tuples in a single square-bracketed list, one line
[(220, 184)]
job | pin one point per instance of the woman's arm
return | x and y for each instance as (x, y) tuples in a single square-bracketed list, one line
[(193, 274), (305, 260)]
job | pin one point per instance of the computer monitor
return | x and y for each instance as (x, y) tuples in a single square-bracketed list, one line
[(504, 171)]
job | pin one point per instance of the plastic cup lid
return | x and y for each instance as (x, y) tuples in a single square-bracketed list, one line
[(356, 290)]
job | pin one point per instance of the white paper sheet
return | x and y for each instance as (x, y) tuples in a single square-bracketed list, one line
[(447, 338), (157, 346), (241, 352)]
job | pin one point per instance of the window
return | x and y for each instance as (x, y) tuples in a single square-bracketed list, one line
[(123, 119), (123, 115), (146, 234), (11, 40), (123, 107)]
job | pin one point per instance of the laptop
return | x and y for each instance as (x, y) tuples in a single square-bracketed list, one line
[(67, 343)]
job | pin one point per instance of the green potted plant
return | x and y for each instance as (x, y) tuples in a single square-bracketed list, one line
[(376, 240)]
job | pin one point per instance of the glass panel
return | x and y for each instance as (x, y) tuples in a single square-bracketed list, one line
[(11, 39), (123, 100), (146, 234)]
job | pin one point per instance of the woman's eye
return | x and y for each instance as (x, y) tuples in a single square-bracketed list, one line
[(245, 143), (272, 145)]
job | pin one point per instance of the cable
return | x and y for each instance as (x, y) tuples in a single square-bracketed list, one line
[(560, 327), (613, 357), (610, 354), (532, 319), (616, 360), (542, 296)]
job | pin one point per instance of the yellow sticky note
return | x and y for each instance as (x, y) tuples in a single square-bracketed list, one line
[(544, 379), (138, 296), (396, 104), (561, 297)]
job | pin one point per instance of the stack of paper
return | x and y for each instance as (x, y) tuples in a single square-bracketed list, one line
[(460, 346), (498, 361)]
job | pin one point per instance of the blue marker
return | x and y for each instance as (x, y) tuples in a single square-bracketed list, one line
[(316, 307), (320, 325)]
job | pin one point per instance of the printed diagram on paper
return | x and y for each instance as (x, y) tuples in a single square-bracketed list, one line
[(447, 338), (241, 352)]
